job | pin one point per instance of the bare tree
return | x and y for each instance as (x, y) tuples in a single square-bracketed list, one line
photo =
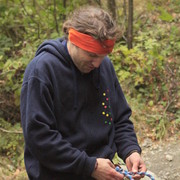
[(125, 10), (64, 5), (99, 2), (55, 17), (130, 25), (112, 7), (32, 18), (90, 2)]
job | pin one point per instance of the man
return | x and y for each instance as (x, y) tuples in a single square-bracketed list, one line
[(74, 114)]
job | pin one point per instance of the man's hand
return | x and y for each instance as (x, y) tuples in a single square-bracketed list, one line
[(106, 171), (135, 164)]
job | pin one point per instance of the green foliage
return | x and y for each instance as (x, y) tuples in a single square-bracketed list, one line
[(117, 160), (150, 71), (177, 122), (11, 141), (165, 15), (11, 68)]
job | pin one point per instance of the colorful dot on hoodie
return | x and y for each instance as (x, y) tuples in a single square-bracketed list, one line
[(107, 115), (104, 94), (103, 113), (107, 99), (103, 103), (109, 123), (105, 107)]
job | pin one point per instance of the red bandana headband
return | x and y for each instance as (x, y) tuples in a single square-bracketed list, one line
[(88, 43)]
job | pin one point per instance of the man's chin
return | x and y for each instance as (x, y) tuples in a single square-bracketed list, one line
[(86, 71)]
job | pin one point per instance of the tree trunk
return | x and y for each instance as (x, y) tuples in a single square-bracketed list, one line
[(64, 5), (112, 7), (130, 25), (90, 2), (55, 17), (125, 10), (99, 2)]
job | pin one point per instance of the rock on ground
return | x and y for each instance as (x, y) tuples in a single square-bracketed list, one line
[(163, 158)]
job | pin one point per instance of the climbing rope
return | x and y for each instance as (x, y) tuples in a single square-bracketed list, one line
[(130, 174)]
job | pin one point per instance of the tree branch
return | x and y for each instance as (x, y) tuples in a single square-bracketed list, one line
[(7, 131), (31, 16)]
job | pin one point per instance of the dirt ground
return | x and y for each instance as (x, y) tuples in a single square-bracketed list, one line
[(163, 158)]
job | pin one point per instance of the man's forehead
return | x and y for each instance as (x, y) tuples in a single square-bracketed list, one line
[(96, 55)]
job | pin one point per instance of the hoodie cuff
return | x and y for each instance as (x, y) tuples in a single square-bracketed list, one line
[(89, 166)]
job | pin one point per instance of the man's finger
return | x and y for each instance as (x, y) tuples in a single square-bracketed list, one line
[(135, 167)]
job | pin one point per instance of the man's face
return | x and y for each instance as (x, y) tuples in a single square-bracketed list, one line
[(85, 61)]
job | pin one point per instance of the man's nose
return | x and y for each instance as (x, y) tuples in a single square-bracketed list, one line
[(96, 62)]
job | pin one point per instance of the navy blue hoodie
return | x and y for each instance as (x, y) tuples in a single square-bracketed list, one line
[(69, 119)]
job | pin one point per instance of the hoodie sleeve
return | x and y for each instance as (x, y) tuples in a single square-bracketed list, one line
[(42, 138), (125, 137)]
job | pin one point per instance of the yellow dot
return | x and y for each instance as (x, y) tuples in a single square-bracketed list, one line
[(107, 115), (103, 113), (104, 94), (103, 103)]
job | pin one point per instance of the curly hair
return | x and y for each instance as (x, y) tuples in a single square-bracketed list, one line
[(93, 21)]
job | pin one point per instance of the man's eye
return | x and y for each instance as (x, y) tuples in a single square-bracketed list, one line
[(92, 55)]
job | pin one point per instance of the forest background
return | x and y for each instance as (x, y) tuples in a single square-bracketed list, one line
[(149, 72)]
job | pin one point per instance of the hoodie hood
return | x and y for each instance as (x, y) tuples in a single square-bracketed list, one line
[(59, 49), (56, 47)]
